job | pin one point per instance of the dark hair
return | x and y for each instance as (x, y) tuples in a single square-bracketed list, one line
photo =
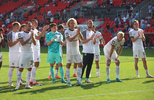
[(53, 24), (28, 22), (60, 26), (23, 25)]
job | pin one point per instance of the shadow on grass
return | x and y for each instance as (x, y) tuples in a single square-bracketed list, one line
[(132, 78), (148, 81)]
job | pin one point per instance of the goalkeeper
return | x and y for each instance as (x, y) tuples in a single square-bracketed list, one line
[(54, 39)]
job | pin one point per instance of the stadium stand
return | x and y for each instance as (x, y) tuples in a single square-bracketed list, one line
[(63, 9)]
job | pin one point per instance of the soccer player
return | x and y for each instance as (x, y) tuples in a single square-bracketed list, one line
[(88, 49), (60, 30), (54, 39), (36, 50), (97, 49), (111, 54), (2, 44), (137, 36), (73, 53), (26, 39), (14, 51)]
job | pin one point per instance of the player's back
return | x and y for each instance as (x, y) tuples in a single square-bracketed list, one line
[(114, 42)]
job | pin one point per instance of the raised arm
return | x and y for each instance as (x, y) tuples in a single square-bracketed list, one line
[(42, 34)]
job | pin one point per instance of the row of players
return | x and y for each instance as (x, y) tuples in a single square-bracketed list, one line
[(24, 48)]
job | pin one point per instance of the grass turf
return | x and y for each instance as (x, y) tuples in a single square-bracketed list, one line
[(130, 89)]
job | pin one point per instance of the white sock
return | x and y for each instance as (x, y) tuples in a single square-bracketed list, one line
[(17, 69), (137, 72), (108, 72), (10, 75), (56, 73), (33, 74), (97, 71), (79, 72), (74, 70), (49, 72), (68, 75), (147, 72), (28, 77), (117, 71), (19, 78)]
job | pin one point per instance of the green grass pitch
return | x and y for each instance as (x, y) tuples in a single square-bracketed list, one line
[(130, 89)]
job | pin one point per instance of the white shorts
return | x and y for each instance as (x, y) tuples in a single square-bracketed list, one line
[(73, 58), (26, 60), (0, 57), (139, 53), (113, 57), (14, 58), (36, 56), (97, 56)]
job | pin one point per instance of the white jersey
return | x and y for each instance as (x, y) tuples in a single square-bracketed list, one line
[(89, 46), (37, 46), (114, 42), (96, 46), (73, 46), (28, 46), (138, 44), (12, 36)]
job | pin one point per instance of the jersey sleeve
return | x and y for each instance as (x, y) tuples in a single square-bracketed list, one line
[(131, 35), (84, 34), (67, 34), (113, 42), (9, 36), (47, 37)]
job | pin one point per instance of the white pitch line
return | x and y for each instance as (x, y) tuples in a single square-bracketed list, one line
[(102, 94)]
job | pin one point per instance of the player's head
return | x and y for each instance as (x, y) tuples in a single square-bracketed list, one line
[(16, 26), (71, 23), (22, 27), (61, 28), (1, 30), (93, 28), (120, 36), (90, 24), (135, 24), (53, 27), (34, 23), (28, 26)]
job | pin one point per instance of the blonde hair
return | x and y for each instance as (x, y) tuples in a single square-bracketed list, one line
[(16, 23), (71, 19), (135, 21), (89, 21), (120, 33)]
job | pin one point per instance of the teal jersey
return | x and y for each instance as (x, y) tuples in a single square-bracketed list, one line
[(55, 45)]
